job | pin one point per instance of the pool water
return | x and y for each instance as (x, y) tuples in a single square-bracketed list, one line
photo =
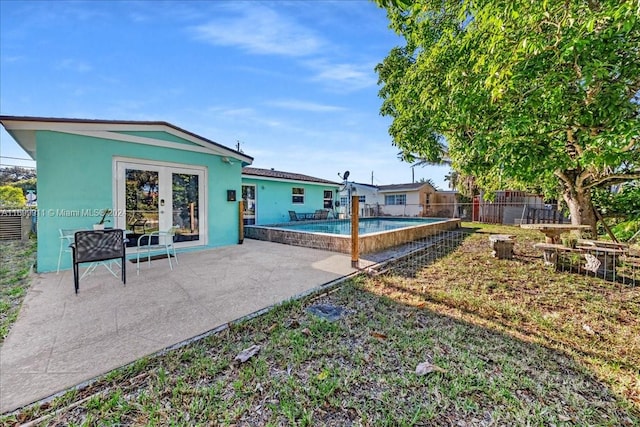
[(365, 226)]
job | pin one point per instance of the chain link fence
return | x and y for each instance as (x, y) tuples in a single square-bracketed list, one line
[(618, 263), (411, 257), (507, 213)]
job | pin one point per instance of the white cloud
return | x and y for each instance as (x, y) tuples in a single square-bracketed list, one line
[(292, 104), (344, 77), (240, 113), (260, 30), (11, 59), (243, 118), (140, 17), (74, 65)]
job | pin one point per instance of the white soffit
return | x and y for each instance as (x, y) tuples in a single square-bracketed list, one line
[(23, 131)]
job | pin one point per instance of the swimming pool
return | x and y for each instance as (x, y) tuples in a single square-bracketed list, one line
[(375, 234), (365, 225)]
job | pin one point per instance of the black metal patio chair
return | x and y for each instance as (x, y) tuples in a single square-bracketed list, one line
[(98, 246), (321, 214)]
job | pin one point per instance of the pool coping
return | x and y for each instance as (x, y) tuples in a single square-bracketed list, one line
[(370, 242)]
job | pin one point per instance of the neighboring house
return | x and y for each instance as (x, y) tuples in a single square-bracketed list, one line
[(413, 199), (149, 173), (367, 199), (422, 199), (269, 195)]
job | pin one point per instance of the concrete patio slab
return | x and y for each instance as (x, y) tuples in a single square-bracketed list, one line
[(61, 339)]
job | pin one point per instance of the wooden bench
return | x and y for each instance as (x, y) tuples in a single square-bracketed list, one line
[(631, 260), (550, 251), (603, 244)]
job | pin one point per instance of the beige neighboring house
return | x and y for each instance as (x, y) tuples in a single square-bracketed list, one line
[(417, 199)]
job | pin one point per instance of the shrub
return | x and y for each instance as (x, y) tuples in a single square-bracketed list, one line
[(11, 197)]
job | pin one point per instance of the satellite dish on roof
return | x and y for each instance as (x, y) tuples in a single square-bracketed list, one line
[(346, 175)]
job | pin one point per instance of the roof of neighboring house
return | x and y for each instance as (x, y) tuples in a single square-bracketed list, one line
[(289, 176), (414, 186), (22, 129), (364, 188), (373, 187)]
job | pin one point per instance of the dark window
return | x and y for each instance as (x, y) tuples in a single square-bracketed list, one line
[(297, 195), (328, 199)]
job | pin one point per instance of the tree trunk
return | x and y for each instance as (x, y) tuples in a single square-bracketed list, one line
[(581, 208)]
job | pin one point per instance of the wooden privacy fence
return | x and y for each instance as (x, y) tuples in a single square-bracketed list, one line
[(515, 207), (543, 216)]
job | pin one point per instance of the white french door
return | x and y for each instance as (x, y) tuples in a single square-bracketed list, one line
[(152, 196)]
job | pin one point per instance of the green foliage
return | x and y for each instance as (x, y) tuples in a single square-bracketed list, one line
[(428, 181), (141, 194), (11, 197), (17, 259), (539, 96), (625, 231), (26, 184), (625, 203)]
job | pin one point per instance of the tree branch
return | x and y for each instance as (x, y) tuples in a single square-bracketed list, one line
[(564, 178), (582, 177), (613, 179)]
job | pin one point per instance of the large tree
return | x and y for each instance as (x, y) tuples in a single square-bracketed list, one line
[(536, 95)]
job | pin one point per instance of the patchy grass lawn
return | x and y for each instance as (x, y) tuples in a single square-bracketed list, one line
[(16, 258), (509, 342)]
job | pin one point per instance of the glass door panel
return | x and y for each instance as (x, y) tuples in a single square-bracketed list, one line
[(185, 206), (249, 199), (141, 202)]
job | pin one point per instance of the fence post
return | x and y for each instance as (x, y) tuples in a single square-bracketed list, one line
[(355, 241), (241, 222)]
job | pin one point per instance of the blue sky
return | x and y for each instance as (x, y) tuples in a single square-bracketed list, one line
[(292, 81)]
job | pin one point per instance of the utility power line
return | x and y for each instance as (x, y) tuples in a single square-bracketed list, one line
[(16, 158)]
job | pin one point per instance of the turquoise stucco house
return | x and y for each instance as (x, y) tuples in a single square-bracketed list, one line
[(269, 195), (150, 175)]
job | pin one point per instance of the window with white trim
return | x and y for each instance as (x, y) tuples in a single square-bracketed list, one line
[(297, 195), (328, 199), (395, 199)]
